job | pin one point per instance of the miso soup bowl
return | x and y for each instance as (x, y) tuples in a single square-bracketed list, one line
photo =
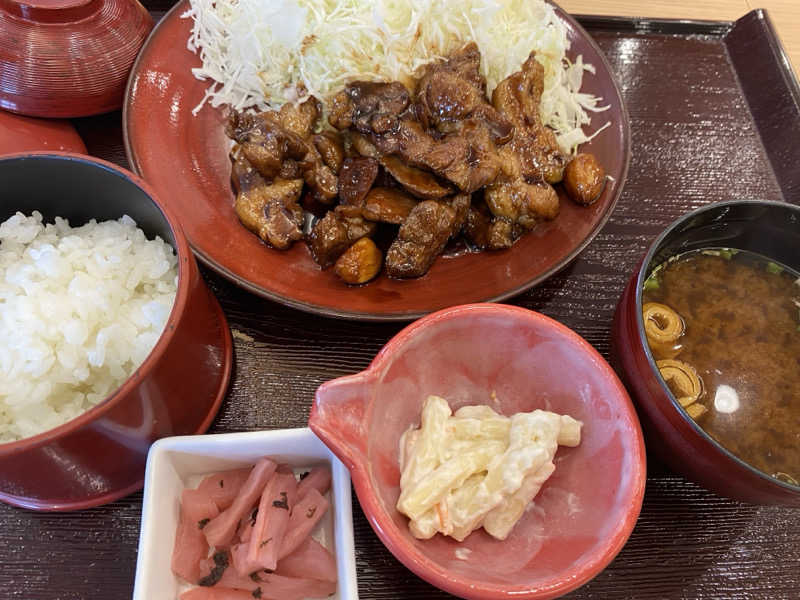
[(100, 455), (771, 229), (470, 354)]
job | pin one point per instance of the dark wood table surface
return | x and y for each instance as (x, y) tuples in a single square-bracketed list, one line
[(694, 142)]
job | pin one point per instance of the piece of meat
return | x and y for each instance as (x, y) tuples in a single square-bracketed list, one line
[(416, 182), (335, 233), (356, 179), (271, 211), (454, 90), (476, 227), (502, 233), (369, 107), (467, 156), (521, 202), (468, 159), (300, 118), (320, 178), (269, 139), (461, 204), (356, 226), (533, 147), (421, 238), (328, 240), (359, 263), (584, 179), (362, 145), (263, 142), (329, 145), (387, 205)]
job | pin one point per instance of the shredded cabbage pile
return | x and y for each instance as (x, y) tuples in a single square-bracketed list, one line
[(264, 53)]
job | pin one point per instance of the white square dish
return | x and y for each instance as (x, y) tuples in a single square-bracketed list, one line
[(176, 463)]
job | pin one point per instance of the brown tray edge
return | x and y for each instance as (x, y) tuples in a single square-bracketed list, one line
[(634, 25), (772, 91), (766, 77)]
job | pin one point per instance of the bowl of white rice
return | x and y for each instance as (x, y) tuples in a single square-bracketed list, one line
[(109, 339)]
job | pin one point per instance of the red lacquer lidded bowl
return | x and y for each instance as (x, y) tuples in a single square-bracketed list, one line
[(68, 58)]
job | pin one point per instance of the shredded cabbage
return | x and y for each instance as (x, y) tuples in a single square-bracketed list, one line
[(264, 53)]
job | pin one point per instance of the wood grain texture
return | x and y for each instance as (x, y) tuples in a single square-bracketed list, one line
[(693, 143), (785, 14)]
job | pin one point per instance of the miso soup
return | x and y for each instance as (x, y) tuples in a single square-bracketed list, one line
[(724, 328)]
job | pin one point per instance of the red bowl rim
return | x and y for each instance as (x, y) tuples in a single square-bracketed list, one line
[(640, 279), (184, 256), (478, 590)]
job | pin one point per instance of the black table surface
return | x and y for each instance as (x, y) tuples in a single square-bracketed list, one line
[(695, 141)]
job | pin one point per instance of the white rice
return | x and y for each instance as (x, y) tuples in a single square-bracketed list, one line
[(80, 310)]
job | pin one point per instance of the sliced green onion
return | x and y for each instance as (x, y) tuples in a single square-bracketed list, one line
[(774, 268), (651, 284)]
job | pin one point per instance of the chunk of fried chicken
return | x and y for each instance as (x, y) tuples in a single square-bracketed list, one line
[(522, 194), (533, 152), (270, 210), (271, 138), (451, 131), (421, 238), (336, 232), (453, 91)]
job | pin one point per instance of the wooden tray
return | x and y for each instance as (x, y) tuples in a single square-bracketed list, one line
[(714, 115)]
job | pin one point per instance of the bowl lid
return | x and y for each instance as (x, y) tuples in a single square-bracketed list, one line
[(51, 11)]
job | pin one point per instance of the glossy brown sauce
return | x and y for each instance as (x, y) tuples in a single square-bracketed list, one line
[(742, 337)]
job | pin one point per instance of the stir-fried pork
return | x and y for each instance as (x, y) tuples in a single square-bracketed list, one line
[(356, 179), (409, 159), (270, 210), (335, 232), (421, 238), (532, 160), (416, 182), (454, 91), (533, 152), (270, 138), (388, 205)]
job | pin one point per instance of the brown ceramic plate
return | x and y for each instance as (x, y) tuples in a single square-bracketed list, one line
[(185, 158)]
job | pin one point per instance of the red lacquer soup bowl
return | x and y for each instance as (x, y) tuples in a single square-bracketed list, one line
[(584, 513), (771, 229), (100, 455)]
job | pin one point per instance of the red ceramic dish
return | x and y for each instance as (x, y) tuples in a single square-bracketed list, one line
[(100, 456), (23, 134), (768, 228), (186, 159), (585, 511), (68, 58)]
